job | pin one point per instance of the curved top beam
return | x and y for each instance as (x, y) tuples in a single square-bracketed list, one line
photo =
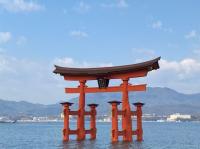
[(104, 72)]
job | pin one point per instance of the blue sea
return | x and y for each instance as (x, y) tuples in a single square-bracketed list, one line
[(157, 135)]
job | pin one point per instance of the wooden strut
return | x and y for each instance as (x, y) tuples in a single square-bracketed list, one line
[(66, 130), (67, 112), (116, 133), (66, 123), (93, 113), (139, 131)]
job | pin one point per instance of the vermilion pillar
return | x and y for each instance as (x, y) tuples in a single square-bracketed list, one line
[(126, 117), (139, 130), (114, 120), (81, 110), (93, 120), (66, 120)]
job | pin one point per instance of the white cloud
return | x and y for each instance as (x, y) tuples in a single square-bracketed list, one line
[(143, 54), (173, 45), (21, 40), (106, 65), (146, 52), (122, 3), (2, 50), (191, 34), (78, 34), (65, 11), (2, 63), (5, 37), (196, 51), (117, 4), (69, 62), (20, 5), (170, 30), (33, 81), (82, 7), (157, 25), (66, 61), (181, 75), (184, 69)]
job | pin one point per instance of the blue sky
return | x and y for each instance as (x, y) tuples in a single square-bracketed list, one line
[(35, 35)]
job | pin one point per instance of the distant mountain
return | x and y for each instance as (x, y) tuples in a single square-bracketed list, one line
[(13, 108), (157, 100)]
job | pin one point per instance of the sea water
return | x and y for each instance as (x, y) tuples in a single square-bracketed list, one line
[(157, 135)]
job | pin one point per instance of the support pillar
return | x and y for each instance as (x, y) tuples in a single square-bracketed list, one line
[(81, 110), (66, 111), (126, 117), (93, 121), (114, 132), (139, 130)]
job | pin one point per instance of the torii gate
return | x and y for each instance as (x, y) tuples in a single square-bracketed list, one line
[(103, 75)]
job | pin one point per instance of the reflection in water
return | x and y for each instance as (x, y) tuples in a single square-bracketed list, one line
[(86, 144), (126, 145), (93, 144)]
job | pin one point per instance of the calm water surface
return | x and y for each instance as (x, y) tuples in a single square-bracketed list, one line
[(48, 136)]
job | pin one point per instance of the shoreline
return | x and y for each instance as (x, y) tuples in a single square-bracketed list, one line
[(60, 121)]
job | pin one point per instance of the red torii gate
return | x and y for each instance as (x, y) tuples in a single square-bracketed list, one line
[(103, 75)]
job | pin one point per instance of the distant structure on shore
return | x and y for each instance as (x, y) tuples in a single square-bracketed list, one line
[(178, 116), (6, 120)]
